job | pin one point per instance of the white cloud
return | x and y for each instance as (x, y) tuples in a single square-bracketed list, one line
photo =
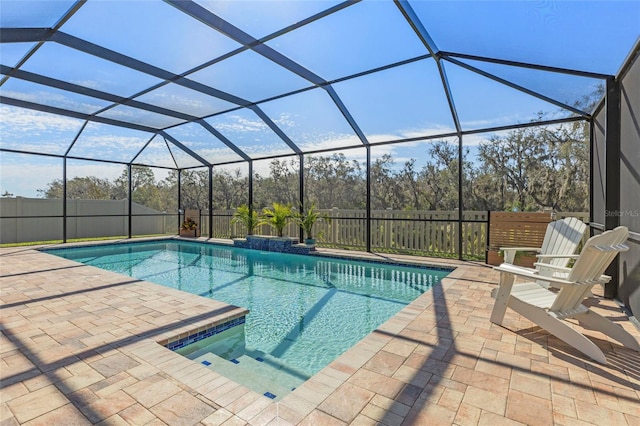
[(24, 122), (239, 124)]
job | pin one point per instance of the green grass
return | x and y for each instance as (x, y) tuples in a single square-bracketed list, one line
[(78, 240)]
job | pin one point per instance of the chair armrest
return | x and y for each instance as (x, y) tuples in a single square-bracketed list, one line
[(549, 266), (545, 266), (557, 256), (510, 252), (521, 272), (521, 248), (520, 268)]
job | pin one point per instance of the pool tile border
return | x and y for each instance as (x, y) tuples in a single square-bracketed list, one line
[(315, 254), (199, 334)]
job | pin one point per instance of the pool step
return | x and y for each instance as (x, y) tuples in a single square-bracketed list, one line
[(256, 374)]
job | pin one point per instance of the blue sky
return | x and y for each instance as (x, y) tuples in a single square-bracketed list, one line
[(396, 103)]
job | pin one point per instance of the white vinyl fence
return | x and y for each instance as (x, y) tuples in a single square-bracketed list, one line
[(419, 232), (33, 219)]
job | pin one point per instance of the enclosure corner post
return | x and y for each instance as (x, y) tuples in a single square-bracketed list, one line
[(210, 201), (368, 202), (130, 200), (612, 181), (301, 193), (64, 199)]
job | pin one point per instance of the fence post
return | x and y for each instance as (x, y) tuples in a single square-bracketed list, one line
[(334, 225), (486, 249), (387, 228)]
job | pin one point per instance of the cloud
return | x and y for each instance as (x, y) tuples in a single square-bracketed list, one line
[(185, 100), (25, 122), (238, 124), (61, 100), (140, 116)]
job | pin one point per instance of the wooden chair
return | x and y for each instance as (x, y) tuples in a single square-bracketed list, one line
[(549, 309), (561, 240)]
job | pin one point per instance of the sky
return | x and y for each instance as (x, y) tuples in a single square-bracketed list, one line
[(396, 103)]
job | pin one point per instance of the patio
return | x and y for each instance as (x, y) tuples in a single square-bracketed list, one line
[(79, 347), (406, 131)]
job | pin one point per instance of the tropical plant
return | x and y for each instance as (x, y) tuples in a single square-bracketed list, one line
[(248, 217), (189, 224), (307, 218), (277, 216)]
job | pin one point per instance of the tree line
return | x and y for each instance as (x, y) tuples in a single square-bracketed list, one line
[(527, 169)]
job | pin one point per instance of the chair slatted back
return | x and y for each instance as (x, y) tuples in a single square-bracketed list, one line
[(563, 237), (597, 254)]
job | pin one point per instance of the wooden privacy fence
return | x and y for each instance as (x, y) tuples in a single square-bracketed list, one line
[(521, 229)]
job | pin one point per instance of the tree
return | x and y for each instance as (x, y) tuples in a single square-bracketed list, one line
[(439, 177), (280, 186), (384, 188), (80, 188), (230, 189), (141, 176), (538, 167), (333, 181), (195, 189)]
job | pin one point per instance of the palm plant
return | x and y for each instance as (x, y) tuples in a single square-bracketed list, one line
[(248, 217), (307, 218), (277, 216)]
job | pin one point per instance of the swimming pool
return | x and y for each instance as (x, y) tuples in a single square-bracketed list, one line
[(304, 310)]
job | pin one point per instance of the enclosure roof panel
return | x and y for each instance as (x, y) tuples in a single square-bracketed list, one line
[(591, 36), (244, 129), (34, 14), (99, 141), (366, 35), (262, 18), (215, 82), (200, 139), (399, 103), (153, 32), (47, 95), (250, 76), (71, 65), (28, 130)]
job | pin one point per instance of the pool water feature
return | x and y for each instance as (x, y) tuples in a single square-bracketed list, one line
[(304, 311)]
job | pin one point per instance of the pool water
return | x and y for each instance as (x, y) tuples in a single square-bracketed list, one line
[(304, 310)]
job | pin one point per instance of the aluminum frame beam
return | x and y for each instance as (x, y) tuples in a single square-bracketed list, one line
[(559, 70), (94, 93), (184, 148), (213, 21), (518, 87), (414, 21)]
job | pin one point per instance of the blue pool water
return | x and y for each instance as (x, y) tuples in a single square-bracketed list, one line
[(304, 310)]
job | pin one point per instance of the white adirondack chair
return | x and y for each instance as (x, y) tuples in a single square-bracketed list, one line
[(548, 309), (560, 242), (561, 239)]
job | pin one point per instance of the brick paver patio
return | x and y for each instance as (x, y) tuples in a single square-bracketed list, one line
[(79, 346)]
